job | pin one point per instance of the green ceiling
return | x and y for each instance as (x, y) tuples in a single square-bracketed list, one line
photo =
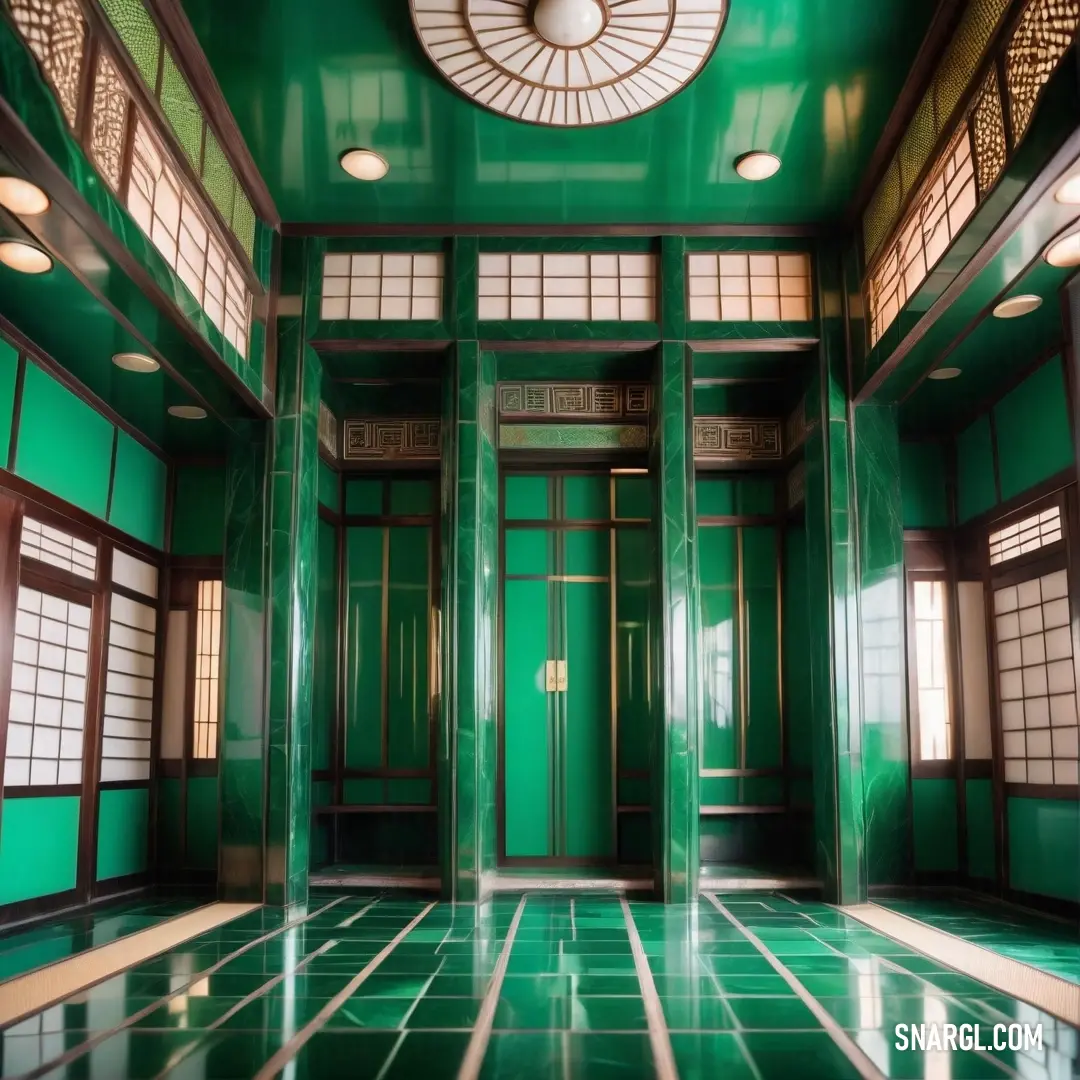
[(813, 81)]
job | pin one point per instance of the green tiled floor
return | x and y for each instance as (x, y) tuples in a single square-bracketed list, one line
[(23, 950), (1043, 943), (571, 1002)]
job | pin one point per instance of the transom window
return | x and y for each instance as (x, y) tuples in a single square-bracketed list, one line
[(207, 669), (743, 286), (382, 285), (1036, 678), (1029, 534), (932, 671), (54, 547)]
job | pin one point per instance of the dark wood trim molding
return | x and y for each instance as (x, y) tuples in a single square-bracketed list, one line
[(10, 532), (179, 36), (343, 229)]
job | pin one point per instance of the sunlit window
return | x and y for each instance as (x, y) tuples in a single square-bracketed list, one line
[(207, 669), (932, 672)]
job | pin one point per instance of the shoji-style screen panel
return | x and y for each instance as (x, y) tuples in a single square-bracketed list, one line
[(129, 691)]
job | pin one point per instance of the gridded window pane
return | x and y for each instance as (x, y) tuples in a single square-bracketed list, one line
[(56, 34), (55, 547), (48, 691), (129, 691), (1030, 534), (615, 286), (168, 213), (207, 664), (1036, 680), (382, 285), (931, 672), (740, 286), (944, 204), (108, 120)]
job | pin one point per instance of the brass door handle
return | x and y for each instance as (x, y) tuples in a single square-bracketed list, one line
[(555, 676), (560, 675)]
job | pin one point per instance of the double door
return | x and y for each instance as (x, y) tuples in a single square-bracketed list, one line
[(558, 732)]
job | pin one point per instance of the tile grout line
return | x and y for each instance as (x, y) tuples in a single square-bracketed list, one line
[(1040, 984), (85, 1047), (738, 1030), (485, 1020), (851, 1049), (663, 1055), (363, 911), (289, 1051), (186, 1051)]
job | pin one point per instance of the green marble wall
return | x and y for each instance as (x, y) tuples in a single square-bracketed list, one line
[(1046, 868), (935, 830), (198, 517), (922, 485), (675, 771)]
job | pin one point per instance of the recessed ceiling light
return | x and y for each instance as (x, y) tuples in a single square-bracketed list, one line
[(757, 165), (21, 197), (944, 373), (1016, 306), (1065, 252), (364, 164), (187, 412), (1069, 191), (25, 258), (133, 361)]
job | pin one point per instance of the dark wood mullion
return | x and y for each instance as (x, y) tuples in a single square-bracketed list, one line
[(10, 531), (157, 705), (1001, 840), (93, 727), (956, 664), (191, 699), (16, 416)]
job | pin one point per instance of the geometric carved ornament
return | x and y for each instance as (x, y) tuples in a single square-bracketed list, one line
[(575, 401), (392, 439), (736, 438)]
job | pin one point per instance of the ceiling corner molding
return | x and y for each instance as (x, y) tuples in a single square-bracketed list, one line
[(180, 36), (569, 63), (300, 229)]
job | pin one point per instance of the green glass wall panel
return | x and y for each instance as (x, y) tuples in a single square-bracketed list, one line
[(329, 488), (718, 568), (586, 552), (138, 493), (198, 518), (742, 791), (364, 497), (633, 497), (1034, 437), (526, 732), (39, 847), (408, 792), (635, 587), (976, 489), (412, 497), (764, 738), (796, 673), (202, 822), (718, 497), (981, 854), (44, 457), (529, 551), (588, 782), (527, 498), (1044, 836), (922, 485), (408, 618), (367, 792), (364, 647), (9, 370), (586, 498), (123, 827), (322, 794), (324, 689), (934, 825)]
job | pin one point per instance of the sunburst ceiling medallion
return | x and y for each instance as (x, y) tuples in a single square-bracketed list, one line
[(569, 63)]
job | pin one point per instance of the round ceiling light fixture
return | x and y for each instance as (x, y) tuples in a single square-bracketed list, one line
[(569, 63), (757, 165), (25, 258), (1016, 306), (569, 24), (1069, 191), (943, 373), (21, 197), (187, 412), (362, 164), (133, 361), (1064, 252)]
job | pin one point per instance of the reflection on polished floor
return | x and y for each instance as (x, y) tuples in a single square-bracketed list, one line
[(750, 985)]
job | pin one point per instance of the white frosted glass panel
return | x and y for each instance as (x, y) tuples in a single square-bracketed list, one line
[(134, 574)]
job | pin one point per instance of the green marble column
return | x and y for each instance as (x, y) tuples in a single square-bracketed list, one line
[(832, 597), (885, 752), (243, 668), (294, 518), (675, 768), (470, 591)]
